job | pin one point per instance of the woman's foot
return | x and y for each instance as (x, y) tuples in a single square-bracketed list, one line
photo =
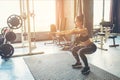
[(77, 65), (85, 70)]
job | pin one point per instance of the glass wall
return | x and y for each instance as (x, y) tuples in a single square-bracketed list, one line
[(44, 14), (98, 11), (44, 11), (7, 8)]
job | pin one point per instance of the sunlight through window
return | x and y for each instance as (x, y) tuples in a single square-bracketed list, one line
[(8, 8), (98, 11), (44, 11), (44, 14)]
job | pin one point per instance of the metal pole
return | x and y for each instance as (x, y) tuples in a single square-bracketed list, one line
[(21, 13), (103, 10), (20, 7), (29, 31), (22, 31), (33, 16)]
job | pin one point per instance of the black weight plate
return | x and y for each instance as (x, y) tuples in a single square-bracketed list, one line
[(6, 50), (10, 36)]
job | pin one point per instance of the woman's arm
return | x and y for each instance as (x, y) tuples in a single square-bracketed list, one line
[(66, 32), (73, 31)]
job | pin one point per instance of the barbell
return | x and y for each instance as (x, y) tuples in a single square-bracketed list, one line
[(6, 49)]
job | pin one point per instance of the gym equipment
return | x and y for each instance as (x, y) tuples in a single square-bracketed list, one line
[(1, 41), (29, 18), (14, 21), (57, 39), (10, 36), (4, 30), (114, 44), (104, 33), (113, 36), (6, 51)]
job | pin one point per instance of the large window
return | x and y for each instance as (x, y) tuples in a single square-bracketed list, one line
[(7, 8), (98, 11), (44, 11), (44, 14)]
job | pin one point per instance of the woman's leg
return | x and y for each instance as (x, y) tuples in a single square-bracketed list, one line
[(84, 59), (86, 50), (76, 56)]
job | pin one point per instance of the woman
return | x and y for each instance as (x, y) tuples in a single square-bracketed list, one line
[(83, 45)]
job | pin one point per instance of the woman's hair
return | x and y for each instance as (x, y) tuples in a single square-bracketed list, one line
[(80, 18)]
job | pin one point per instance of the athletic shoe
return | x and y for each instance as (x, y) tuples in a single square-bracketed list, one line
[(77, 65), (85, 70)]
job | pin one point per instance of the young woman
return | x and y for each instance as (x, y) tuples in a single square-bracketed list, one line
[(83, 44)]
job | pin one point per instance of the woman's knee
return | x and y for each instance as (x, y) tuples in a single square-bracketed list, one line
[(81, 54), (74, 52)]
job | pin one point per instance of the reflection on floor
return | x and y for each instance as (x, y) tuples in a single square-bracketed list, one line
[(16, 69)]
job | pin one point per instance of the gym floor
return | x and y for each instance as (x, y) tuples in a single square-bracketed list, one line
[(16, 69)]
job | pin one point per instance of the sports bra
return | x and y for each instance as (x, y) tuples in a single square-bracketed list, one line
[(81, 38)]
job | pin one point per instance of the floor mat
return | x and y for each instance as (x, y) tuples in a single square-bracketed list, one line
[(58, 67)]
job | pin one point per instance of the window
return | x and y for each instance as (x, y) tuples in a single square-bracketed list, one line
[(8, 8), (44, 11), (44, 14), (98, 11)]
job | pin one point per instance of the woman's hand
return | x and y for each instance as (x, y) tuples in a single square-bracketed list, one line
[(76, 31)]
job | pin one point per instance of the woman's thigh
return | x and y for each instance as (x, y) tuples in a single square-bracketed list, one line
[(87, 50)]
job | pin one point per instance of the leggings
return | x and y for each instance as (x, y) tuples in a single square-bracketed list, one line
[(82, 50)]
